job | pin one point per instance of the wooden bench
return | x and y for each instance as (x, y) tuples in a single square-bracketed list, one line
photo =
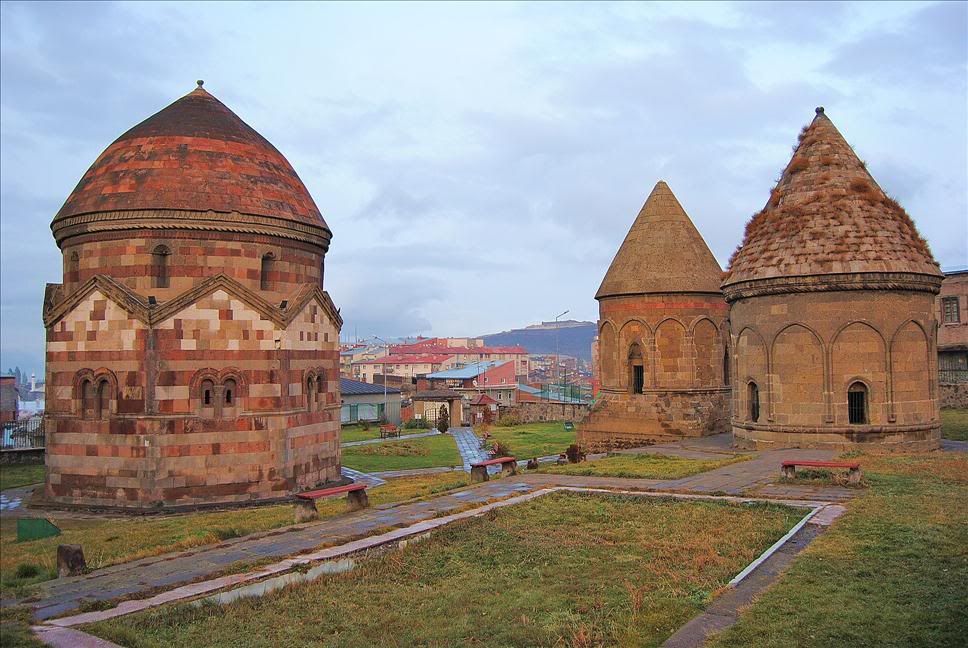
[(509, 466), (356, 499), (389, 431), (789, 468)]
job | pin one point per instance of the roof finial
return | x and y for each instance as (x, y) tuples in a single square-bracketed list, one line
[(819, 109), (201, 83)]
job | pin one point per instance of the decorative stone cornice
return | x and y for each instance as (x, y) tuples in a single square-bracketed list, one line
[(906, 281), (135, 305), (205, 221)]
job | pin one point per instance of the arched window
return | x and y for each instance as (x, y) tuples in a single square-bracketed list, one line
[(857, 403), (265, 281), (636, 369), (726, 367), (207, 398), (159, 266), (310, 392), (87, 399), (230, 396), (322, 270), (320, 391), (103, 406), (753, 397)]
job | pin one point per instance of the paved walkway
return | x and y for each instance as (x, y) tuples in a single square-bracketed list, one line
[(469, 446), (404, 437), (139, 577), (362, 477)]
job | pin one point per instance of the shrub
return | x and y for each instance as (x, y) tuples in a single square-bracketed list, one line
[(443, 420), (574, 453), (508, 419), (500, 450), (417, 424), (26, 570), (364, 425)]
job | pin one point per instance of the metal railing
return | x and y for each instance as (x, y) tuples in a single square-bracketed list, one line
[(23, 435), (953, 375)]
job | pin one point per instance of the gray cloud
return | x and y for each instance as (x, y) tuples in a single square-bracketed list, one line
[(480, 164)]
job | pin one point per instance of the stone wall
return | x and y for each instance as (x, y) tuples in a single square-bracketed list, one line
[(804, 351), (954, 395), (534, 412)]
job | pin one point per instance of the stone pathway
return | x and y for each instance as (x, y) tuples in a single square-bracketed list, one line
[(362, 477), (404, 437), (954, 446), (469, 447)]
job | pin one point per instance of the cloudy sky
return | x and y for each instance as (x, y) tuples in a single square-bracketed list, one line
[(479, 164)]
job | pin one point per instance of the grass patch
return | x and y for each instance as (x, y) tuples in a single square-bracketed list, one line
[(954, 424), (115, 540), (564, 569), (534, 439), (426, 452), (16, 475), (892, 572), (15, 631), (642, 466), (356, 432)]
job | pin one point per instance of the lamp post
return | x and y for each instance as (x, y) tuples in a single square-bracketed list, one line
[(557, 361), (386, 346)]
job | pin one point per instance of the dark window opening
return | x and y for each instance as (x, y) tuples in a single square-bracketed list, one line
[(87, 399), (322, 268), (638, 379), (264, 276), (857, 404), (103, 399), (753, 393), (310, 393), (159, 259), (208, 396), (726, 380)]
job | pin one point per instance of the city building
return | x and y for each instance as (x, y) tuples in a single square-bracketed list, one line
[(192, 353), (367, 402), (8, 398), (662, 341), (495, 378), (832, 311), (403, 367), (465, 351), (952, 315)]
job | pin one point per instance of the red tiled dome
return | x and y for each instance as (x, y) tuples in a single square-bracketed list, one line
[(194, 155)]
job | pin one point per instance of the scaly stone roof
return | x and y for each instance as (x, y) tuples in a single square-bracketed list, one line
[(194, 155), (662, 253), (828, 216)]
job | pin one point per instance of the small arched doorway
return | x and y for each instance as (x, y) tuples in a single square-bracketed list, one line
[(636, 369)]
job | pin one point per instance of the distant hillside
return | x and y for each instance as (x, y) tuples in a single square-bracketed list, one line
[(574, 338)]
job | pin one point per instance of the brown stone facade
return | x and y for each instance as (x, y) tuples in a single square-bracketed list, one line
[(192, 355), (800, 354), (681, 343)]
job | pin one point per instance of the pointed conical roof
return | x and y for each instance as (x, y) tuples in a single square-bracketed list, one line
[(662, 253), (827, 215), (194, 155)]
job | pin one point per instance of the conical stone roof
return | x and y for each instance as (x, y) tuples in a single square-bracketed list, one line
[(828, 216), (194, 155), (662, 253)]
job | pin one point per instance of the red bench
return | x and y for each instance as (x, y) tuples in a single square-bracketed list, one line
[(356, 499), (509, 466), (789, 468), (389, 431)]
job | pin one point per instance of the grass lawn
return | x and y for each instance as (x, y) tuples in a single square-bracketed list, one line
[(642, 466), (534, 439), (426, 452), (115, 540), (892, 572), (954, 424), (356, 432), (14, 475), (564, 569)]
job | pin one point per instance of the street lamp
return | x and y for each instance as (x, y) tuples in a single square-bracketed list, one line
[(386, 408), (557, 361)]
